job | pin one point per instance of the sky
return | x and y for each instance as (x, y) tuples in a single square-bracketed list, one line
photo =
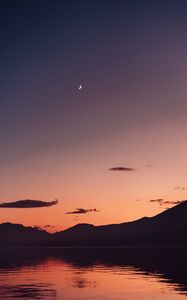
[(116, 143)]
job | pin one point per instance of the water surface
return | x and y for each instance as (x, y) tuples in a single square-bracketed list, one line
[(100, 273)]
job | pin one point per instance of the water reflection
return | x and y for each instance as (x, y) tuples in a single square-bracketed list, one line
[(98, 273), (28, 291), (80, 282)]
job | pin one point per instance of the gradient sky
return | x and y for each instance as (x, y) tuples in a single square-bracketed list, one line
[(58, 142)]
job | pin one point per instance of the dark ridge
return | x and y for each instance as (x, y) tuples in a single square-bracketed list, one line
[(166, 228)]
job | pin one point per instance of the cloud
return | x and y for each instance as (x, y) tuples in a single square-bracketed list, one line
[(150, 166), (128, 169), (164, 202), (49, 226), (180, 188), (159, 200), (81, 211), (28, 203), (173, 202)]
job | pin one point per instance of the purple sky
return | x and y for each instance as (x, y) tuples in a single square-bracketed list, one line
[(58, 141)]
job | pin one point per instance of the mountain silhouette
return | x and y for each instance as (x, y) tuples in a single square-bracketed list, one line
[(19, 235), (166, 228)]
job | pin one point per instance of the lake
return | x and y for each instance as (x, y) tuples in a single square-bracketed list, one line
[(141, 273)]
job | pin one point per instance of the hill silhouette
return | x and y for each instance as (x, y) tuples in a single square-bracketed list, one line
[(166, 228), (19, 235)]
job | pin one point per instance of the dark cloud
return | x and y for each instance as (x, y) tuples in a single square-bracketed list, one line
[(161, 201), (180, 188), (28, 203), (49, 226), (82, 211), (173, 202), (128, 169), (52, 227)]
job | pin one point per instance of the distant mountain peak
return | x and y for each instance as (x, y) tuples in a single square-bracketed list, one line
[(80, 227), (178, 211)]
